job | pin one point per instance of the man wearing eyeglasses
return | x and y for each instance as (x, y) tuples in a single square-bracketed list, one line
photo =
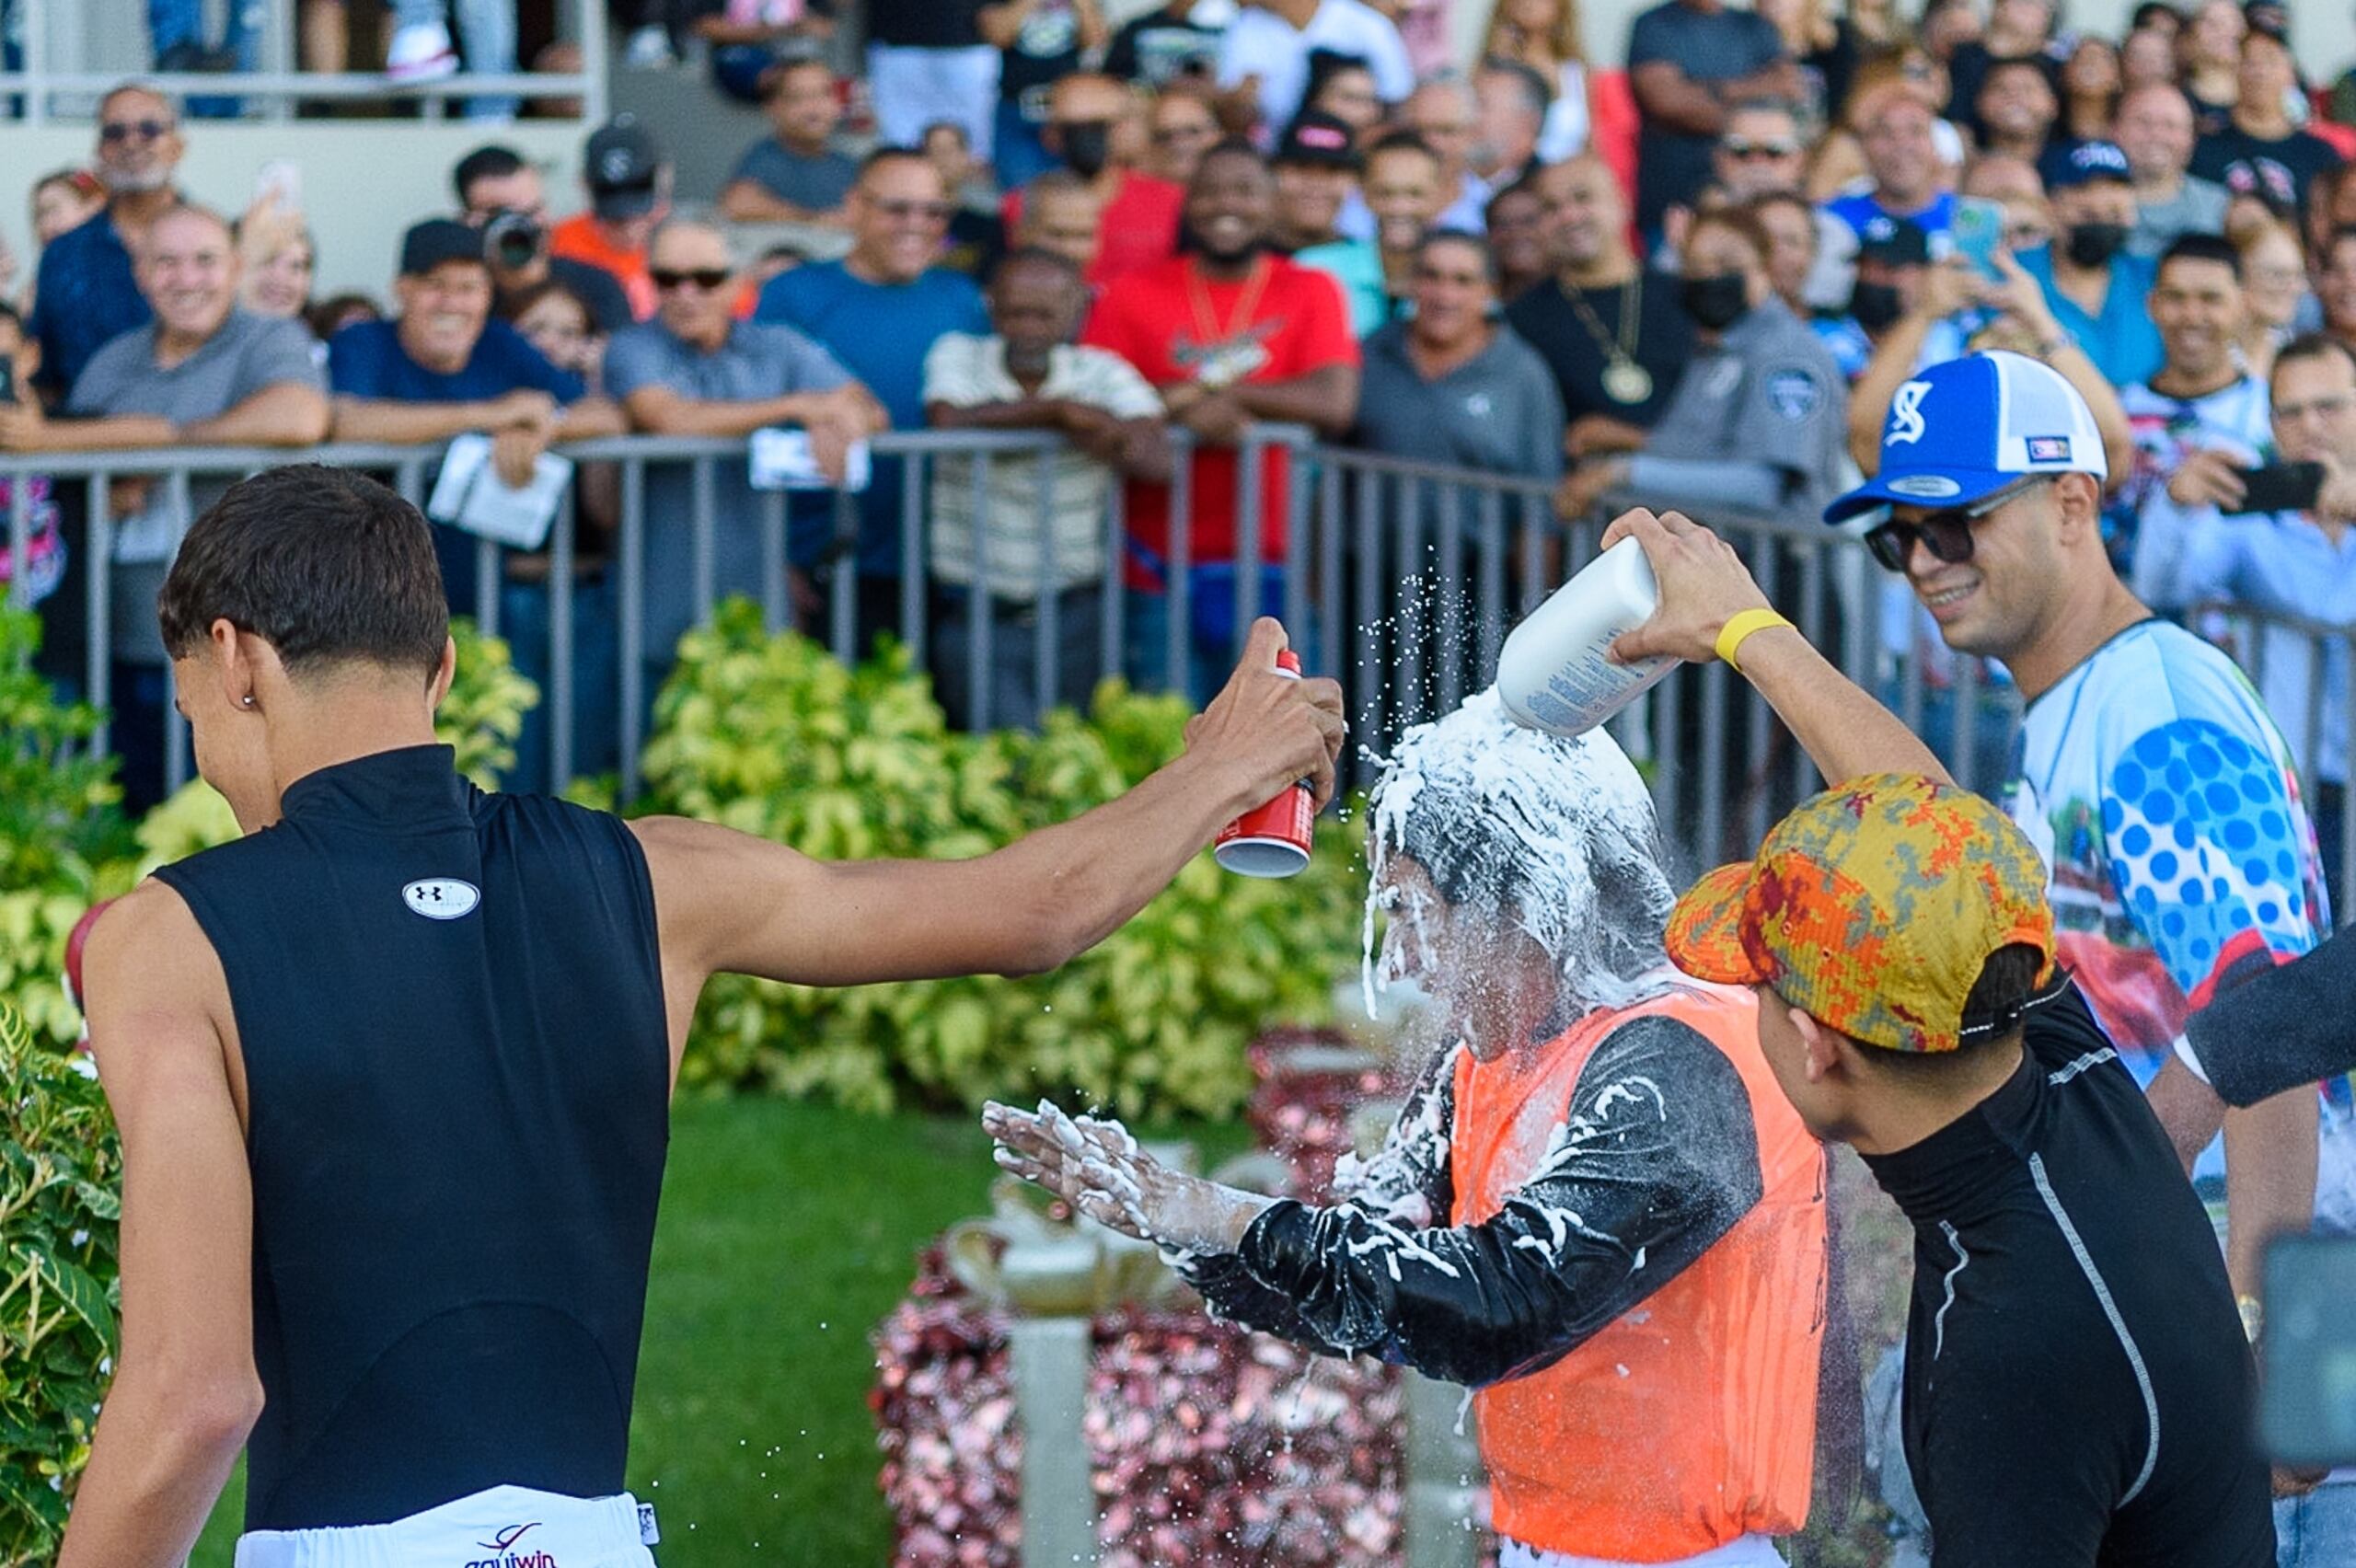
[(2152, 779), (85, 294), (696, 370), (879, 310), (1894, 127), (1761, 151)]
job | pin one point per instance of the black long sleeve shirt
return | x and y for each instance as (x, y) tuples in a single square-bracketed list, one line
[(2078, 1390), (1656, 1158)]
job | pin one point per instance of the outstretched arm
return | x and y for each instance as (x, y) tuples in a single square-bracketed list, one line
[(1656, 1158), (1703, 585), (726, 901)]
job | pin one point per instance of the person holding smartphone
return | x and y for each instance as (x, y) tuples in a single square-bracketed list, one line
[(2285, 546)]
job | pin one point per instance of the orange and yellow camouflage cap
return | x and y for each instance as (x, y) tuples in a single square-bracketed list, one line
[(1873, 908)]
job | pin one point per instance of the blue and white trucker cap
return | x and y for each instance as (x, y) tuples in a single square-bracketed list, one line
[(1967, 428)]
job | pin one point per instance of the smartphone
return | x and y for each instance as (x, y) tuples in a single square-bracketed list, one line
[(1980, 234), (280, 183), (2280, 487)]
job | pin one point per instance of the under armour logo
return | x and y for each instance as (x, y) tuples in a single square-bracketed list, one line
[(1906, 414)]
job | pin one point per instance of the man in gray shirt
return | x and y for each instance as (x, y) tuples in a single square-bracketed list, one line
[(2154, 130), (696, 370), (794, 176), (204, 372), (1758, 421)]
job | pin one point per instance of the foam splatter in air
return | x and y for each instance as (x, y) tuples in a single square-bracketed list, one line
[(1554, 837)]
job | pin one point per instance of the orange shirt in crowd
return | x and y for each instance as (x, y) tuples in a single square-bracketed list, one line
[(579, 237)]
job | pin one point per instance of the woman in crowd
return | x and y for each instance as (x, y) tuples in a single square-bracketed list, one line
[(1546, 36), (2090, 88), (1344, 86), (2274, 285), (65, 200), (555, 321), (278, 256)]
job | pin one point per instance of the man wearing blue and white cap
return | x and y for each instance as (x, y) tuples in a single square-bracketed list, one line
[(2095, 288), (2152, 778)]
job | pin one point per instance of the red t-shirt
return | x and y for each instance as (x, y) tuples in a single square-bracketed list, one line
[(1139, 227), (1171, 324)]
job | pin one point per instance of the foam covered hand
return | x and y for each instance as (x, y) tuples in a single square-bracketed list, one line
[(1097, 1166)]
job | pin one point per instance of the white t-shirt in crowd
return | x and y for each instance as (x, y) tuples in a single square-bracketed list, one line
[(1261, 43)]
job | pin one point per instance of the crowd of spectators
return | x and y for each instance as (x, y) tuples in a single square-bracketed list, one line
[(1702, 277)]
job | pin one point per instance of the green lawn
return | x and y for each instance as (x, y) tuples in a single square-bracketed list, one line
[(787, 1231)]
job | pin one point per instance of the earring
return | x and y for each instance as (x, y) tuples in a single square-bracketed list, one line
[(247, 700)]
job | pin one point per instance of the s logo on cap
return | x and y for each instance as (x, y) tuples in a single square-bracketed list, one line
[(1906, 415)]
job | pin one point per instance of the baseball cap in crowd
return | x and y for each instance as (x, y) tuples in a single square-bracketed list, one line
[(1873, 908), (1316, 139), (1963, 429), (427, 244), (2083, 163), (621, 163), (1894, 242)]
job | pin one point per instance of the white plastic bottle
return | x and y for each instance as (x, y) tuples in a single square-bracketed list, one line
[(1553, 672)]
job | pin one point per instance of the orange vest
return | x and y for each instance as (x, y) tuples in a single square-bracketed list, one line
[(1690, 1421)]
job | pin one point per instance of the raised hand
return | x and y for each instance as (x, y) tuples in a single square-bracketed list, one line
[(1273, 729), (1703, 585)]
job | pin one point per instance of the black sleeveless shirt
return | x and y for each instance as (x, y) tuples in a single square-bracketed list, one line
[(450, 1006)]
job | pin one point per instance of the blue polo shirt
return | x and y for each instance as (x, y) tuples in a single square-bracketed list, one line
[(880, 332), (83, 297), (366, 360), (2122, 341)]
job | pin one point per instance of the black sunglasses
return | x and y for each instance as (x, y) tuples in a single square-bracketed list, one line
[(1743, 149), (124, 129), (1946, 534), (704, 278)]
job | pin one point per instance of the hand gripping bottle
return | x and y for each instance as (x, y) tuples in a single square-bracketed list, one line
[(1553, 673), (1271, 840)]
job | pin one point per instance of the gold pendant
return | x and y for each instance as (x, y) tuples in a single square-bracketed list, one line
[(1625, 381)]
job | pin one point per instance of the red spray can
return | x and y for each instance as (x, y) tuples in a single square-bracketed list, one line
[(1271, 840)]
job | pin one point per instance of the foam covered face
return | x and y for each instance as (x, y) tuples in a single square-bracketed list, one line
[(1531, 837)]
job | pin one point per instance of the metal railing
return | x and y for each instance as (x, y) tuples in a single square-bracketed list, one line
[(276, 86), (1405, 578)]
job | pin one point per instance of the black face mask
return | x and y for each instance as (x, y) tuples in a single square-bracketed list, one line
[(1876, 306), (1715, 304), (2093, 244), (1087, 145)]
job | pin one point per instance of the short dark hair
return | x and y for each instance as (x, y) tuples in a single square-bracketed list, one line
[(1740, 221), (1477, 243), (888, 153), (2203, 247), (1038, 256), (773, 75), (1402, 141), (2144, 14), (326, 565), (1230, 147), (1993, 1011), (2310, 346), (492, 162)]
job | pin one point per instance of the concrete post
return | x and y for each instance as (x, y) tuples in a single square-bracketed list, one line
[(1050, 1357)]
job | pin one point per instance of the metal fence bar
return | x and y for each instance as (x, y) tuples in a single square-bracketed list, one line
[(1415, 588), (1178, 598), (703, 490), (1761, 722), (777, 591), (1045, 648), (1249, 457), (1812, 616), (99, 579), (842, 595), (629, 561), (978, 597), (1367, 487), (1450, 646), (489, 572), (560, 662), (1111, 660), (1333, 633), (40, 88), (913, 554), (1493, 581), (175, 741), (1299, 561)]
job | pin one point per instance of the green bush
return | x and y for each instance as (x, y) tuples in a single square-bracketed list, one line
[(771, 735), (59, 1170), (64, 842)]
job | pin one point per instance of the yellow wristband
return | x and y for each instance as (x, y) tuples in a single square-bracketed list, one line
[(1741, 628)]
